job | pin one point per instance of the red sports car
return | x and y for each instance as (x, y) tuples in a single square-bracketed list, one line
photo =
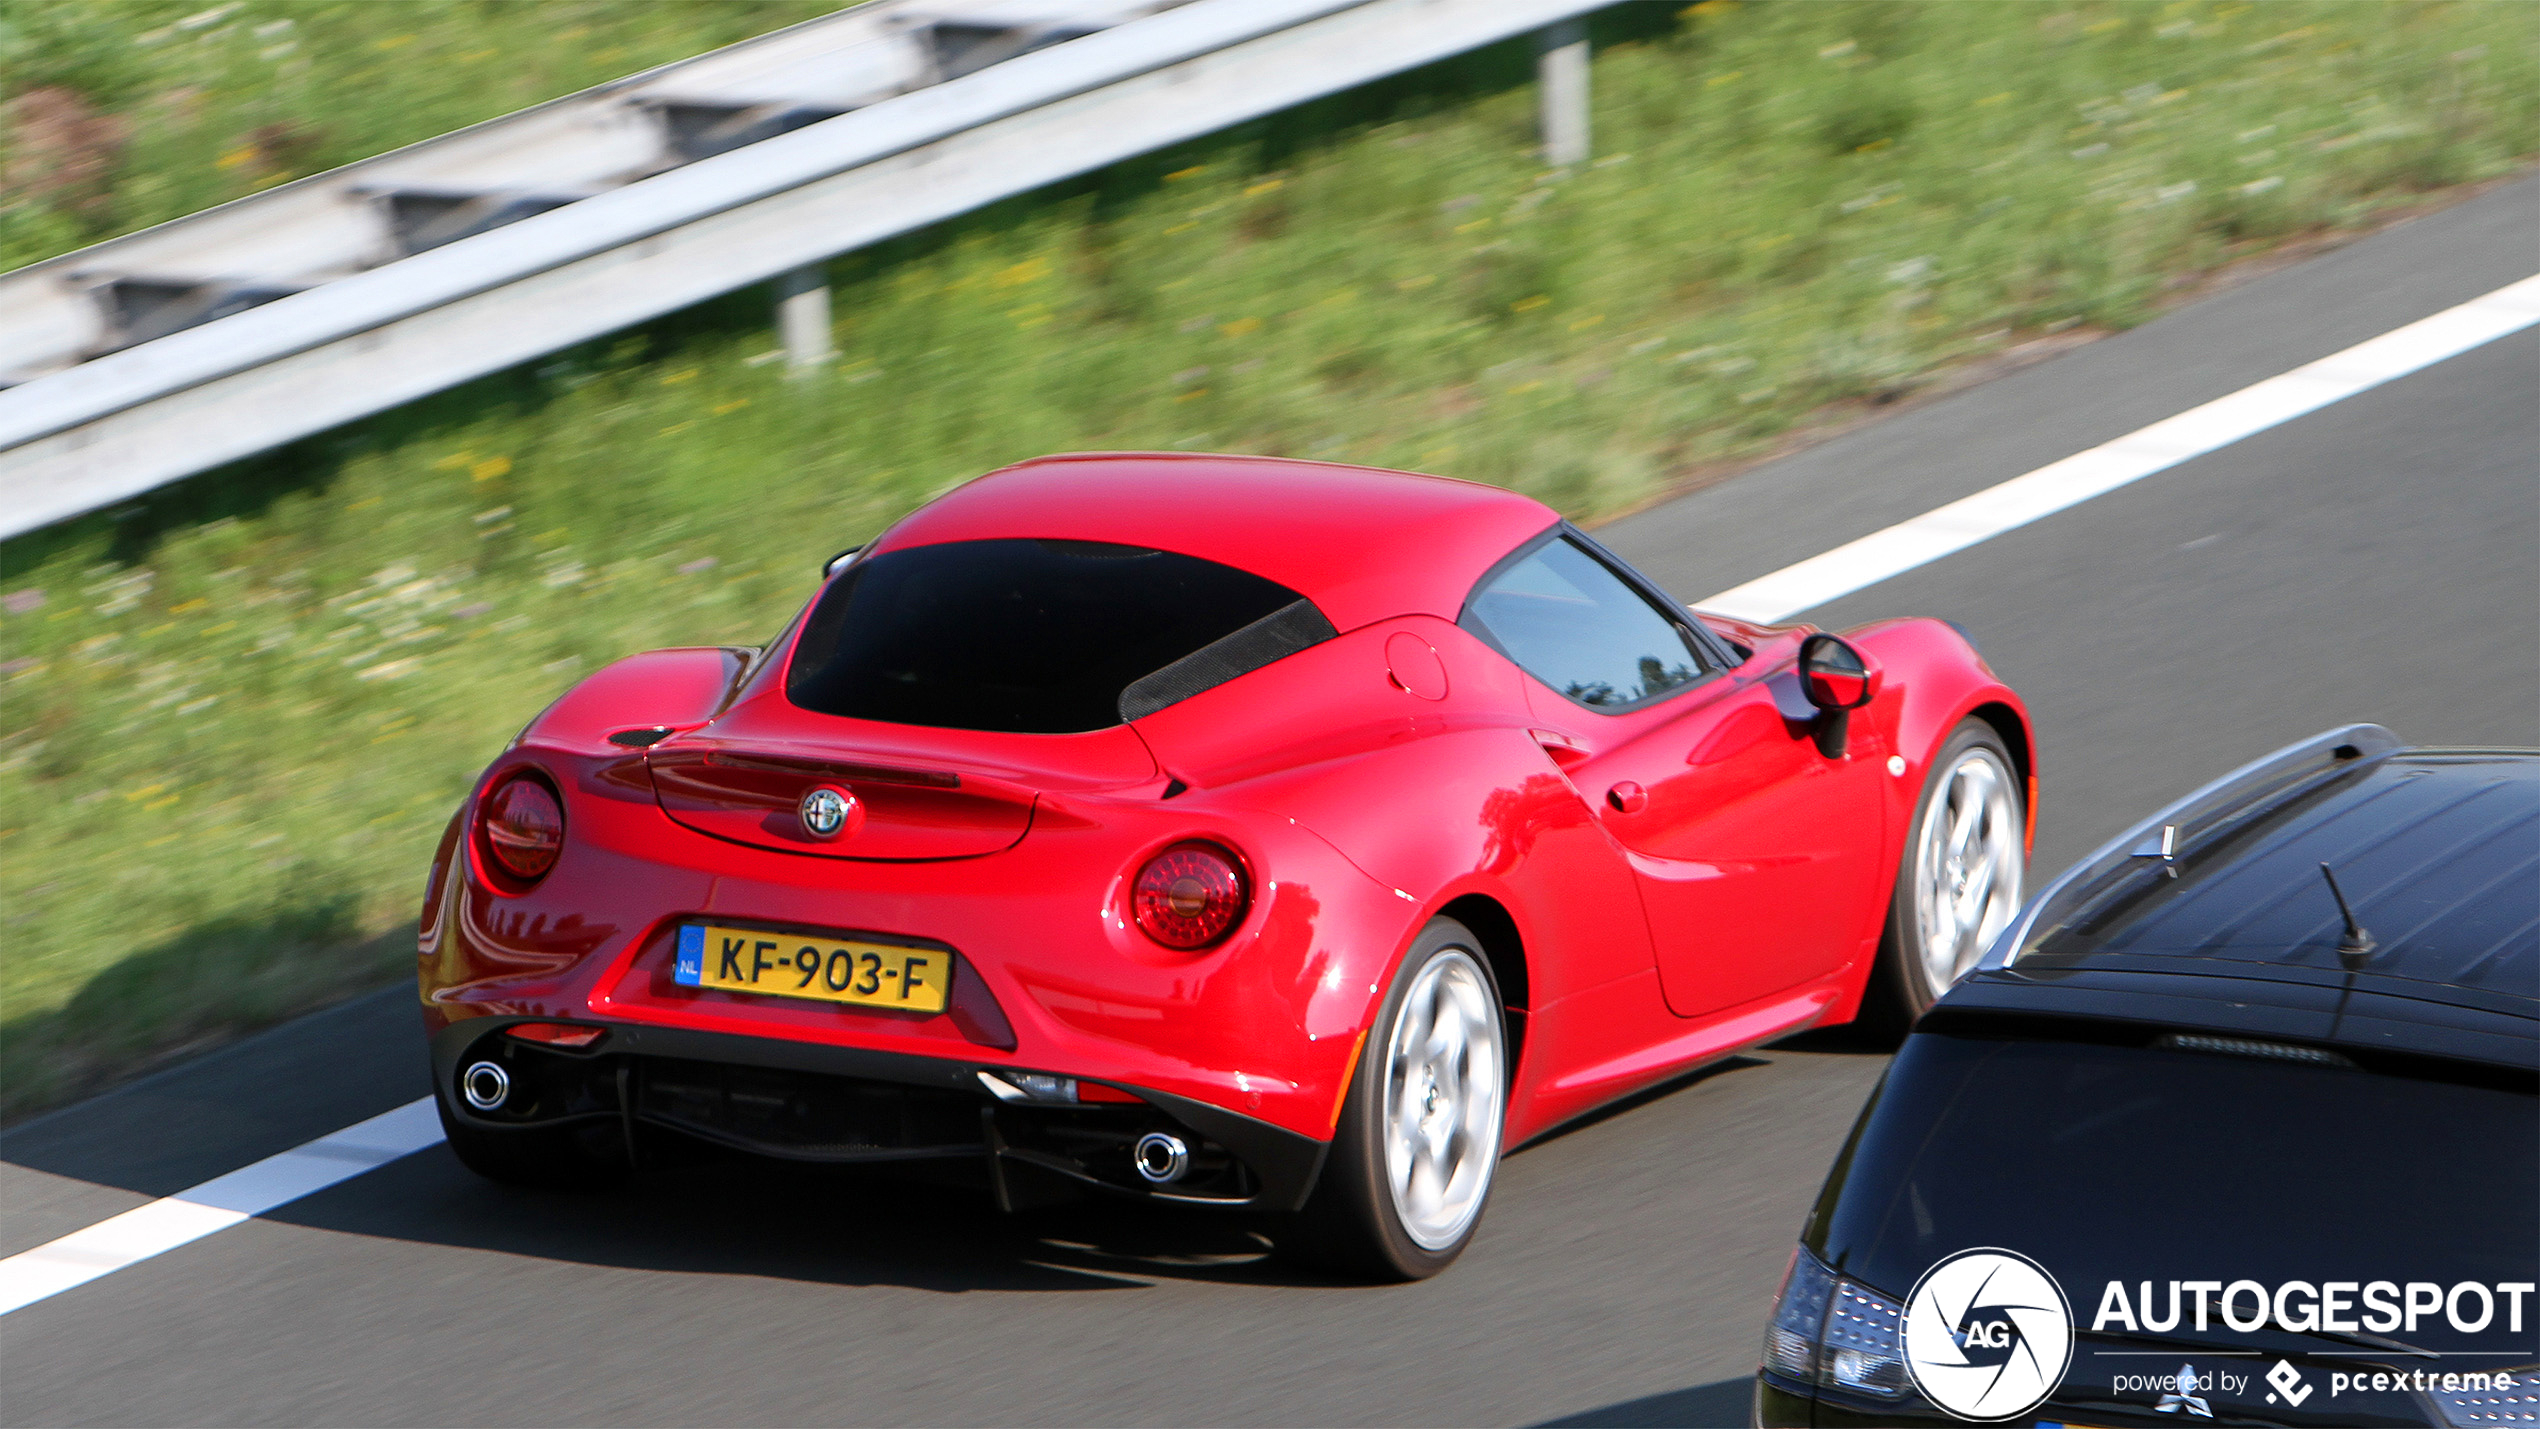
[(1219, 830)]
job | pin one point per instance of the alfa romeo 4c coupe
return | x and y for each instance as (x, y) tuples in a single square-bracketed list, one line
[(1231, 831)]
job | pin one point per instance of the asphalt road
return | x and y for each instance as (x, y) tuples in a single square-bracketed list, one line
[(2376, 560)]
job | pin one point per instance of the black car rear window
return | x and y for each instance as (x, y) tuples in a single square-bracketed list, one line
[(1037, 637), (2143, 1164)]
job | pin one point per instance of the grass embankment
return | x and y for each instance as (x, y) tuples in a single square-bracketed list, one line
[(125, 114), (238, 713)]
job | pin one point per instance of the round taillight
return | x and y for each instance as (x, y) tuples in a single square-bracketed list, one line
[(524, 827), (1189, 895)]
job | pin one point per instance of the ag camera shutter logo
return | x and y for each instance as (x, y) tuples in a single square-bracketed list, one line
[(1988, 1334)]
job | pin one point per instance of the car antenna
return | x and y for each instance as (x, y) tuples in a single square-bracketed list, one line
[(2356, 947)]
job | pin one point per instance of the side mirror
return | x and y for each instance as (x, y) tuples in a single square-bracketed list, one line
[(830, 566), (1838, 679), (1836, 675)]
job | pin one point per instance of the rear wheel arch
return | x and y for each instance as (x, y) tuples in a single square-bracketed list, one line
[(1505, 950)]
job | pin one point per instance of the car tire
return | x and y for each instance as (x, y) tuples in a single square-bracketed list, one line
[(555, 1158), (1418, 1141), (1954, 893)]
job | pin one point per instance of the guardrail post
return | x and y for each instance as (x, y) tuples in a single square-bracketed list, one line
[(802, 317), (1561, 73)]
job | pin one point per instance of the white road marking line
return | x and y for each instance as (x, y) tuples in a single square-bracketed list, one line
[(215, 1205), (250, 1191), (2164, 444)]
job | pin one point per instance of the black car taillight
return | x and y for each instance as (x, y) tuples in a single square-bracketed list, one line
[(2506, 1397), (1829, 1332)]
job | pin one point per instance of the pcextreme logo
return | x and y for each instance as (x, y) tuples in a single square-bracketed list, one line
[(1988, 1334)]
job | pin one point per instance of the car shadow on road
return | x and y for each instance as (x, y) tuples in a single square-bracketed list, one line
[(1848, 1039), (734, 1215), (827, 1225), (1716, 1405), (1639, 1099), (835, 1225)]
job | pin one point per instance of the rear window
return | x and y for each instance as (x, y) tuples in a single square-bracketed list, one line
[(1037, 637), (2149, 1165)]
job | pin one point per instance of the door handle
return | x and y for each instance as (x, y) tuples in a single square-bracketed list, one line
[(1627, 797)]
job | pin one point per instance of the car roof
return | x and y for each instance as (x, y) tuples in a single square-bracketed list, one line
[(2437, 851), (1363, 544)]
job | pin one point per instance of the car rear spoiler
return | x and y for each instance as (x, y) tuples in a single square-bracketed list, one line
[(2167, 835)]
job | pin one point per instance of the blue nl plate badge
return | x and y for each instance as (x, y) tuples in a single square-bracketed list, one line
[(690, 969)]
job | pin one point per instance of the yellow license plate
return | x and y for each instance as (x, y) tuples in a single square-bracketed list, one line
[(823, 969)]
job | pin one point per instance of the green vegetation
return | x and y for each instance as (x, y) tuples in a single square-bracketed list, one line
[(125, 114), (238, 713)]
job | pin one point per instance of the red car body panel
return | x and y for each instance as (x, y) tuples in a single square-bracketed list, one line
[(1367, 783)]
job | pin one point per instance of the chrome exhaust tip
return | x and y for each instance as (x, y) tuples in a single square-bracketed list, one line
[(1162, 1158), (485, 1085)]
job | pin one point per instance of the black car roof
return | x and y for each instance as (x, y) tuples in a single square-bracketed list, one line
[(2437, 851)]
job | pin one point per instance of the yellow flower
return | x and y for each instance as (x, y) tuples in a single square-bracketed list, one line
[(1240, 327), (1527, 305), (490, 468)]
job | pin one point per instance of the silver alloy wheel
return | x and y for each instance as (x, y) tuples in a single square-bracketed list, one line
[(1967, 865), (1445, 1081)]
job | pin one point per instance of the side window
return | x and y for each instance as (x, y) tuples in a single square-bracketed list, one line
[(1569, 621)]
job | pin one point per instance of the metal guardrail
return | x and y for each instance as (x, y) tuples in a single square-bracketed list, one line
[(208, 265), (456, 308)]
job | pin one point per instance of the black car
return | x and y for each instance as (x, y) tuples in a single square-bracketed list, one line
[(2239, 1123)]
